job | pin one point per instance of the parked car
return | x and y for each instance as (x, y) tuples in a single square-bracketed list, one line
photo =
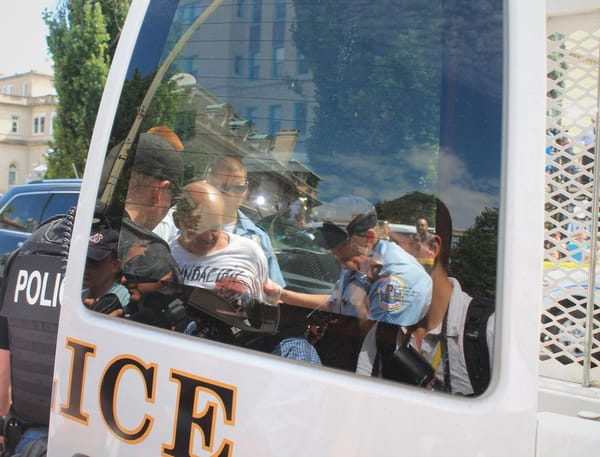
[(24, 207)]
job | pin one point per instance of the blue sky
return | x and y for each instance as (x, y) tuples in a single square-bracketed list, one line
[(23, 34)]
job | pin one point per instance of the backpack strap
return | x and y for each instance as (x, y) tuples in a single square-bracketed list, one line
[(476, 351)]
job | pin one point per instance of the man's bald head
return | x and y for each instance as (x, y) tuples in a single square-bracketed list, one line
[(199, 217)]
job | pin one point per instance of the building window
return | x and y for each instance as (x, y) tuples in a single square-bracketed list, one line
[(239, 66), (256, 11), (52, 123), (39, 125), (280, 12), (253, 67), (24, 90), (301, 65), (300, 116), (14, 127), (190, 66), (189, 13), (278, 62), (251, 114), (12, 174), (274, 119), (241, 8)]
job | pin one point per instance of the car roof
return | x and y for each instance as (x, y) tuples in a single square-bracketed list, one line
[(43, 185)]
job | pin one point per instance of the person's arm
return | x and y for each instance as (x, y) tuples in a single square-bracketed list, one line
[(311, 301), (4, 381), (4, 367)]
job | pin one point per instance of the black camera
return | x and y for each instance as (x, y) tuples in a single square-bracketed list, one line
[(401, 362), (107, 304)]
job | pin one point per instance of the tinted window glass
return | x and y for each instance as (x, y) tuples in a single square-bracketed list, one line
[(389, 170), (59, 204), (23, 212)]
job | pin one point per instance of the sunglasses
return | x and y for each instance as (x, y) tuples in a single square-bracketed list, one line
[(231, 189)]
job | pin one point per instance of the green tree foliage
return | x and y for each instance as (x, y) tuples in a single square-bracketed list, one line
[(408, 208), (82, 39), (377, 78), (163, 109), (473, 259)]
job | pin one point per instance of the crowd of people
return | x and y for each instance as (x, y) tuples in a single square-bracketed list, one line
[(174, 237)]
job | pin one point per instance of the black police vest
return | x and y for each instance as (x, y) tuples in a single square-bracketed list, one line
[(31, 291)]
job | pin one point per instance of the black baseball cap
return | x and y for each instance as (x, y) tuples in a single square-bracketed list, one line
[(157, 157), (102, 242)]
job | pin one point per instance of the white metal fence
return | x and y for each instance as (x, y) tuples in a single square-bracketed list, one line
[(570, 318)]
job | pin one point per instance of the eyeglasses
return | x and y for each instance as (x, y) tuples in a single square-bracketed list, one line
[(230, 189)]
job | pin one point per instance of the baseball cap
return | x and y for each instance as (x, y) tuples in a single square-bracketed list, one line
[(343, 217), (152, 265), (157, 157), (102, 242)]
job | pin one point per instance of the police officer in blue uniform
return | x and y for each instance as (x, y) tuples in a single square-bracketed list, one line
[(228, 174), (379, 280)]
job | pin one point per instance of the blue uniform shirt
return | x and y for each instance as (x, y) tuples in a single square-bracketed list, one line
[(401, 295), (248, 229)]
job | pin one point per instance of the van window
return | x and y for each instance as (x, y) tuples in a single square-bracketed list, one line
[(23, 212), (302, 225), (59, 204)]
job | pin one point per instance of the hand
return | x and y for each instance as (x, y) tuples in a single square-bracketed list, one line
[(272, 291), (117, 313), (371, 267)]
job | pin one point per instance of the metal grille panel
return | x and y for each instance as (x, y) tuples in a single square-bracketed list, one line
[(566, 350)]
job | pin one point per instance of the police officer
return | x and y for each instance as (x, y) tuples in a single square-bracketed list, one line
[(378, 281), (28, 329), (229, 175)]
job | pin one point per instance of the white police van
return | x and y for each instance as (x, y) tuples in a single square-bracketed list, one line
[(320, 99)]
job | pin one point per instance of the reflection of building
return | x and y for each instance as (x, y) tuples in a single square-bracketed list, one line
[(210, 127), (258, 66), (27, 109)]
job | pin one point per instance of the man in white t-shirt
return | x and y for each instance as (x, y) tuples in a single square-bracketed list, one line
[(232, 265), (205, 253)]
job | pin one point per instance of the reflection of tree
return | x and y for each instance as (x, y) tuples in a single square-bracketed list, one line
[(406, 209), (162, 110), (473, 259), (377, 73)]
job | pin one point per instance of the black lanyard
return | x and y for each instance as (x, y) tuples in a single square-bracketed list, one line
[(445, 357)]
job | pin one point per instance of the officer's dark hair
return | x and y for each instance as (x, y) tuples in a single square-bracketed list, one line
[(443, 228)]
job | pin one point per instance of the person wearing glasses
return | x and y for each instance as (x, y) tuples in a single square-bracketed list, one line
[(229, 175)]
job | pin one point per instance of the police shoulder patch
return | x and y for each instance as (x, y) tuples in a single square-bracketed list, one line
[(391, 293)]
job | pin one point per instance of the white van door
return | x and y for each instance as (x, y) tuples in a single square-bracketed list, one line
[(396, 103)]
